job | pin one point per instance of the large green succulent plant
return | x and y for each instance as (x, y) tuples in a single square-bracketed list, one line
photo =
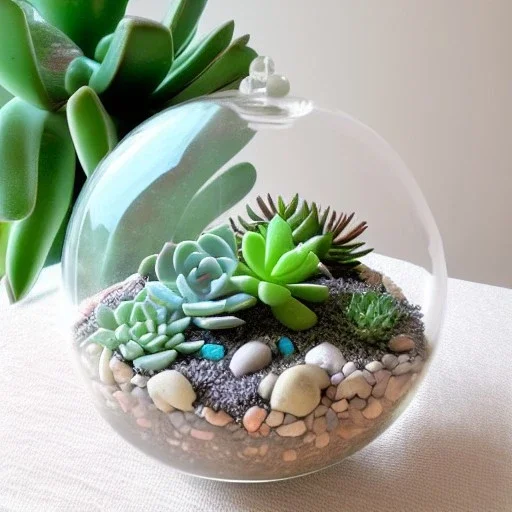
[(275, 270), (83, 76), (307, 220), (195, 278), (373, 315)]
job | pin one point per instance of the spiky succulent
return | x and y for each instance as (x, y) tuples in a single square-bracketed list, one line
[(307, 220), (144, 332), (195, 278), (82, 76), (373, 315), (275, 270)]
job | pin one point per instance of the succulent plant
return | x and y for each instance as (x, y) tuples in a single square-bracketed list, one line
[(306, 221), (275, 270), (195, 278), (82, 76), (373, 315), (144, 332)]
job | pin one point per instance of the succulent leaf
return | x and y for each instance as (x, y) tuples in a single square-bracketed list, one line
[(213, 323), (253, 251), (34, 55), (309, 292), (273, 294), (295, 315), (279, 242), (91, 127), (85, 22), (136, 62), (79, 73)]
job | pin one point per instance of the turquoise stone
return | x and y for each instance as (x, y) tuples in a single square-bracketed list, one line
[(285, 346), (212, 352)]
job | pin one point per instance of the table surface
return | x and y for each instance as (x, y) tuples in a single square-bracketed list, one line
[(450, 451)]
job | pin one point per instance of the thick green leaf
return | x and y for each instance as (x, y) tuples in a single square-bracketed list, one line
[(93, 132), (79, 73), (208, 49), (273, 294), (102, 48), (217, 197), (299, 274), (295, 315), (182, 19), (247, 284), (279, 241), (34, 55), (137, 60), (231, 65), (4, 238), (5, 97), (309, 292), (30, 240), (21, 129), (253, 251), (84, 21)]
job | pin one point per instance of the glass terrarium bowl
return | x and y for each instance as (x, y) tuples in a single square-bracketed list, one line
[(271, 346)]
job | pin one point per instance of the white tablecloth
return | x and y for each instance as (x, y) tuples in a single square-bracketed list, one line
[(450, 451)]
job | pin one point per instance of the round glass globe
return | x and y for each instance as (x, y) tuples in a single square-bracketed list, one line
[(194, 167)]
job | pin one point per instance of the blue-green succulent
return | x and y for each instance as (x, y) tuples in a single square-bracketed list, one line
[(144, 332), (195, 279)]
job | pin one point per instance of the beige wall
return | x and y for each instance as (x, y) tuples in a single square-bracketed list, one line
[(434, 77)]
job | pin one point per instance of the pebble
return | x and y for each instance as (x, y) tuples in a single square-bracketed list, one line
[(349, 368), (104, 371), (397, 386), (250, 451), (326, 401), (382, 378), (217, 419), (322, 440), (392, 288), (144, 422), (389, 361), (417, 365), (374, 366), (267, 385), (320, 425), (369, 377), (297, 390), (93, 349), (320, 410), (125, 400), (292, 430), (140, 381), (289, 455), (289, 418), (249, 358), (401, 343), (121, 371), (402, 368), (309, 438), (354, 384), (212, 352), (332, 420), (275, 418), (264, 430), (404, 358), (253, 418), (177, 419), (337, 378), (263, 450), (349, 431), (285, 346), (308, 420), (330, 392), (344, 415), (357, 403), (340, 406), (327, 356), (203, 435), (373, 410), (171, 389), (357, 417)]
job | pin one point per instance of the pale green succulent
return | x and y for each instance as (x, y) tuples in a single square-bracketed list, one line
[(144, 332), (195, 277)]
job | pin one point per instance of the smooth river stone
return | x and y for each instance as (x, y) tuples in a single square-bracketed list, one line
[(250, 358), (121, 371), (401, 343), (354, 384), (170, 389), (297, 390), (327, 356), (292, 430), (218, 419), (267, 385), (253, 418), (104, 371)]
